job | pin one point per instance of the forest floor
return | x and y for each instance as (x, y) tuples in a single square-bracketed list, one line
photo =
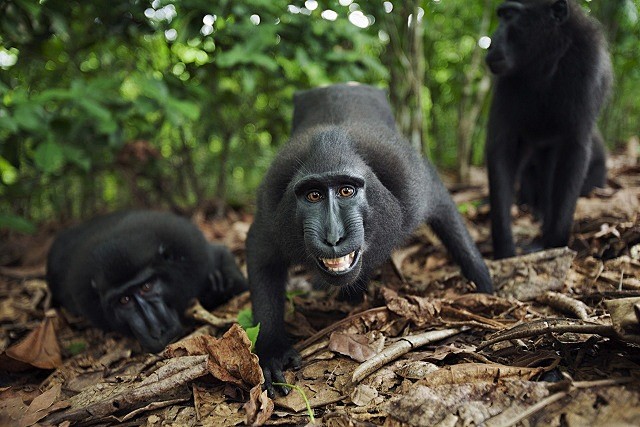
[(557, 345)]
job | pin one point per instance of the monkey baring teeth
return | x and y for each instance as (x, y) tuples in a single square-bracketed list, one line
[(338, 198), (340, 265)]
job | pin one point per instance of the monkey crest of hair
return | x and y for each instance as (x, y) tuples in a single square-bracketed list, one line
[(553, 74), (135, 272), (340, 195)]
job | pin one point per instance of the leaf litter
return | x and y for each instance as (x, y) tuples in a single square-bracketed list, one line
[(556, 345)]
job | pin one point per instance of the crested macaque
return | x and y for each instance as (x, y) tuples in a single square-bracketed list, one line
[(552, 76), (135, 272), (340, 195)]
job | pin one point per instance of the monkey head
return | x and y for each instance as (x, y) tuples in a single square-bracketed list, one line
[(142, 292), (526, 27)]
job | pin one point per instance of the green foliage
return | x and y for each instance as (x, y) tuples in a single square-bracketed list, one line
[(108, 104), (245, 320), (16, 223)]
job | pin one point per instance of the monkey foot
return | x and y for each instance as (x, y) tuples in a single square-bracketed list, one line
[(272, 368)]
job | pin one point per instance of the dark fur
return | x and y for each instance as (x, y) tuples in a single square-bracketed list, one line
[(342, 135), (93, 265), (553, 74)]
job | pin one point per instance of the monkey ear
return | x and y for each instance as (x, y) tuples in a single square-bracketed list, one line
[(560, 11)]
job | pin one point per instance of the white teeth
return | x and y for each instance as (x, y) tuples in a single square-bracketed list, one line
[(339, 264)]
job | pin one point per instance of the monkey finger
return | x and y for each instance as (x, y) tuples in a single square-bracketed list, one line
[(279, 377), (268, 385)]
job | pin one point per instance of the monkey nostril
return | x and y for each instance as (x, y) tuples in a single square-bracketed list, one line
[(333, 240)]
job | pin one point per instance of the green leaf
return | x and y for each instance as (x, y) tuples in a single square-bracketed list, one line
[(178, 110), (76, 156), (29, 116), (245, 318), (49, 157), (252, 333), (17, 223), (8, 172), (105, 124)]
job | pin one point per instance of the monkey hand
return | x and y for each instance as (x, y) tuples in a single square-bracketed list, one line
[(273, 365)]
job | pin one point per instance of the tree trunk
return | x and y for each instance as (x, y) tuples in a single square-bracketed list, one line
[(470, 106), (404, 57)]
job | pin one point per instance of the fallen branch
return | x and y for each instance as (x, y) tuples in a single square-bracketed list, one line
[(168, 378), (546, 326), (565, 304), (397, 349)]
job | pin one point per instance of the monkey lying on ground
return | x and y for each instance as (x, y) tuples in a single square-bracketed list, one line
[(340, 195), (135, 272), (553, 74)]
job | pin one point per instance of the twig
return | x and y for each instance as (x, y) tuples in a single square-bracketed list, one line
[(486, 322), (397, 349), (545, 326), (566, 304)]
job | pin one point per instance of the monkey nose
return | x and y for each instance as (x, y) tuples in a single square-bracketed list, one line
[(333, 239)]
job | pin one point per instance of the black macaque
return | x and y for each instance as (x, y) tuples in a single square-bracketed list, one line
[(553, 74), (135, 272), (340, 195)]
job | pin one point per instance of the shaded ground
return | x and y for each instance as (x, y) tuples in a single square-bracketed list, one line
[(558, 345)]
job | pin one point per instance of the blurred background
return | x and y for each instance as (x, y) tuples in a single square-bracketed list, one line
[(183, 104)]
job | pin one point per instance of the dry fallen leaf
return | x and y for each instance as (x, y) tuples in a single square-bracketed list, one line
[(42, 406), (472, 402), (625, 316), (363, 394), (355, 346), (421, 311), (528, 276), (259, 407), (39, 348), (230, 357)]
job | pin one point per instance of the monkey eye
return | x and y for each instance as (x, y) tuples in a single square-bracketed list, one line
[(146, 287), (314, 196), (124, 300), (346, 191)]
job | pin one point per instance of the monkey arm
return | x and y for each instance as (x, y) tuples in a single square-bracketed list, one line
[(267, 278), (224, 277), (447, 223)]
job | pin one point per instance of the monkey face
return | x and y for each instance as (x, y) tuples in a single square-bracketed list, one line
[(525, 29), (331, 211), (142, 307)]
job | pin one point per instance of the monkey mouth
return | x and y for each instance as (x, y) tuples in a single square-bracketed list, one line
[(340, 265)]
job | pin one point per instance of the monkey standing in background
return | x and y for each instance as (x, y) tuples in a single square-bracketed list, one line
[(135, 272), (340, 195), (553, 74)]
